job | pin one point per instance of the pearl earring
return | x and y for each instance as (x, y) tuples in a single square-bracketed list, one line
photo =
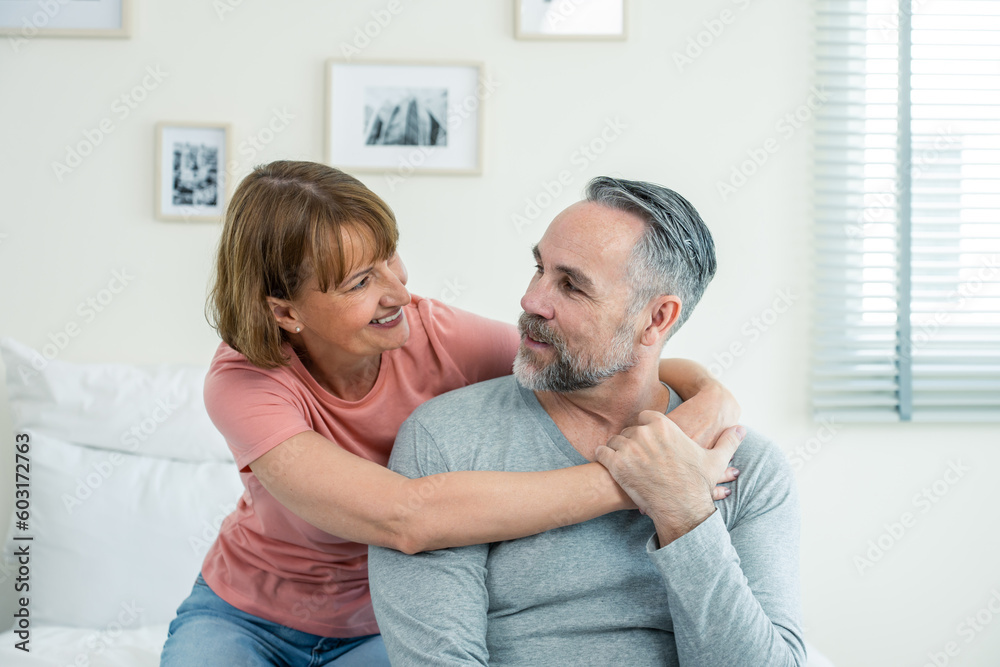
[(298, 329)]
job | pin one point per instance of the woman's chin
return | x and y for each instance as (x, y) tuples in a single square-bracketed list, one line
[(393, 338)]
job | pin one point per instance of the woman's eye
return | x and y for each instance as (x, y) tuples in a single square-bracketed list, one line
[(361, 285)]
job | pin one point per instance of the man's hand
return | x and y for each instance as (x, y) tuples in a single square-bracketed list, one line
[(667, 475)]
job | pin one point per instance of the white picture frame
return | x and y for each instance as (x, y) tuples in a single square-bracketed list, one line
[(192, 182), (405, 117), (28, 19), (571, 19)]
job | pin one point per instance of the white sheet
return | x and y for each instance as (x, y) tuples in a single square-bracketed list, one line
[(58, 646)]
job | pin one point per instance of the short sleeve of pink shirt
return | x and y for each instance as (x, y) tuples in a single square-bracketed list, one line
[(267, 561)]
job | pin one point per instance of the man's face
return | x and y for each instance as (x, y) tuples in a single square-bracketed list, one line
[(574, 334)]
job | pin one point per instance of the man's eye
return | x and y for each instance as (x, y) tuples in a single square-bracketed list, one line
[(569, 287), (538, 268)]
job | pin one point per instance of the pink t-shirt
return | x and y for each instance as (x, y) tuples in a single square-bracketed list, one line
[(269, 562)]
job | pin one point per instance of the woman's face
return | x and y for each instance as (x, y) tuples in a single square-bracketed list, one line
[(362, 316)]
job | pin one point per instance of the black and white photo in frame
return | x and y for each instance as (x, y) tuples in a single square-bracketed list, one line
[(570, 19), (404, 118), (191, 177)]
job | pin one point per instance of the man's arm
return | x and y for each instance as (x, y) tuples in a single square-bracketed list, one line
[(431, 607), (733, 594)]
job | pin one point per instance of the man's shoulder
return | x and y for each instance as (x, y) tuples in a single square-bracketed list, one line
[(758, 449), (463, 429), (468, 403), (765, 479)]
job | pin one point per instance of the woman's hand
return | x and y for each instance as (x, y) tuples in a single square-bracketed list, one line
[(708, 408), (707, 411)]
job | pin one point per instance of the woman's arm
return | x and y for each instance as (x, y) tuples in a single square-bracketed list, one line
[(359, 500), (708, 408)]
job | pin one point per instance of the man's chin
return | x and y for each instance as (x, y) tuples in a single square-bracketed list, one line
[(526, 370)]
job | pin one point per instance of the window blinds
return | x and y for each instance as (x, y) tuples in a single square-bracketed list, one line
[(907, 205)]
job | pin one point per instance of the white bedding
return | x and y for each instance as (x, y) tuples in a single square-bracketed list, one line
[(58, 646)]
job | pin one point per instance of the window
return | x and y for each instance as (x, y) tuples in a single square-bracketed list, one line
[(907, 206)]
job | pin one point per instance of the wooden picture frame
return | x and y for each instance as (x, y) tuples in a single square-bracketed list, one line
[(405, 117), (192, 182), (28, 19)]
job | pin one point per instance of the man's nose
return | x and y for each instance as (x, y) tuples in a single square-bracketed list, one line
[(536, 299)]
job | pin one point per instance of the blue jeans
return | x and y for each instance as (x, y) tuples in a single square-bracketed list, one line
[(210, 632)]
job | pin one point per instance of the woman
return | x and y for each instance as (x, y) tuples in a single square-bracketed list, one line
[(324, 355)]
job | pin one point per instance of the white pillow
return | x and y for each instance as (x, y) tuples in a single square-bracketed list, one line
[(120, 530)]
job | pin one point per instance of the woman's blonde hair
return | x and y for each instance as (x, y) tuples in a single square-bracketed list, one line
[(283, 225)]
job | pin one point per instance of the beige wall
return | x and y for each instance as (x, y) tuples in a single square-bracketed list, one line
[(686, 126)]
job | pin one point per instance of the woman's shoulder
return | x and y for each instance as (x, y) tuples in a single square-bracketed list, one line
[(437, 320), (230, 369)]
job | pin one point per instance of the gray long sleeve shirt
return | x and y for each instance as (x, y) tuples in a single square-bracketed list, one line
[(596, 593)]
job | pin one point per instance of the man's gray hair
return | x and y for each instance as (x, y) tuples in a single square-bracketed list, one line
[(675, 255)]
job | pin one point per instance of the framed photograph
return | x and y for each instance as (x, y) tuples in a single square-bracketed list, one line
[(569, 19), (66, 18), (405, 118), (191, 178)]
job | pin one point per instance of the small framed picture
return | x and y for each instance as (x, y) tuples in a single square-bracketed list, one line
[(569, 19), (405, 117), (66, 18), (191, 178)]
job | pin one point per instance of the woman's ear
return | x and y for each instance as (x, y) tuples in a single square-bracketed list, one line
[(285, 314), (666, 309)]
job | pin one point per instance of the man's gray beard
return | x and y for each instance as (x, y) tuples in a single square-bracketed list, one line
[(571, 372)]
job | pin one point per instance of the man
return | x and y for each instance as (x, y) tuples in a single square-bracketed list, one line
[(685, 582)]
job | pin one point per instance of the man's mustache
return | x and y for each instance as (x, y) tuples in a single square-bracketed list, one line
[(538, 329)]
